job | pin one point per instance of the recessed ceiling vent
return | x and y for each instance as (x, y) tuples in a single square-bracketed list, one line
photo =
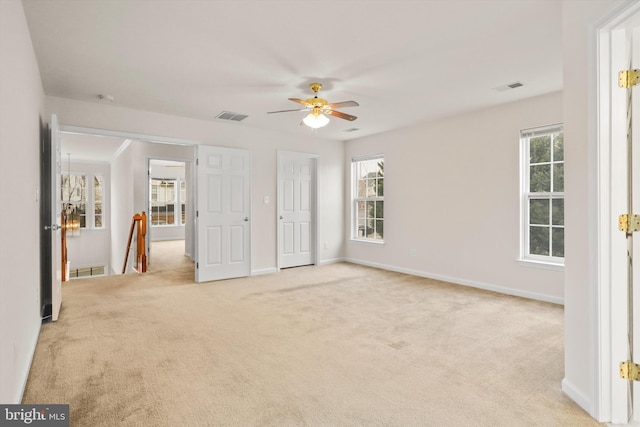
[(235, 117), (352, 130), (508, 87)]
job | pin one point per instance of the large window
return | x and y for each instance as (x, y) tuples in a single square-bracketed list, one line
[(168, 201), (368, 198), (98, 201), (543, 194), (74, 197)]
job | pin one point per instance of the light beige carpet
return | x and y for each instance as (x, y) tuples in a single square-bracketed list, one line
[(337, 345)]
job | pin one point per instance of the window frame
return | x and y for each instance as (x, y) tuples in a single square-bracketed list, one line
[(95, 202), (549, 261), (355, 199)]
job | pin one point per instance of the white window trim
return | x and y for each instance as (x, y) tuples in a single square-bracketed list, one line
[(354, 191), (536, 261), (93, 201)]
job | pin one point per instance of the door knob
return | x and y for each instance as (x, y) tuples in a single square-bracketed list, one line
[(246, 218), (281, 217)]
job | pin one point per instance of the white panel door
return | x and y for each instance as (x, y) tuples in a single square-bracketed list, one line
[(223, 209), (56, 220), (296, 209)]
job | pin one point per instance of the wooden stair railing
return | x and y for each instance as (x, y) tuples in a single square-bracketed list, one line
[(141, 247), (63, 233)]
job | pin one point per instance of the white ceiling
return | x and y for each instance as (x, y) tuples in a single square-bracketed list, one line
[(404, 61)]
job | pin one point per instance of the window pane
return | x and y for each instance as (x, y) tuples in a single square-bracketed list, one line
[(379, 229), (558, 147), (540, 149), (557, 236), (540, 178), (371, 209), (558, 177), (380, 210), (539, 211), (362, 188), (539, 240), (557, 211)]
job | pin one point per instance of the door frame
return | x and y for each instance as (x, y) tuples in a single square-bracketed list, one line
[(314, 215), (132, 136), (610, 400), (190, 215)]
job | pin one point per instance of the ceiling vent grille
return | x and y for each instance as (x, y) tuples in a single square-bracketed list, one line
[(234, 117), (508, 87), (352, 130)]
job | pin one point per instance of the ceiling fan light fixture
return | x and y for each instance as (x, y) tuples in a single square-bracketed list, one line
[(315, 119)]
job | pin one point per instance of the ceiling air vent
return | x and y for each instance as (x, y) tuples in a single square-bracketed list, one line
[(508, 87), (235, 117), (352, 130)]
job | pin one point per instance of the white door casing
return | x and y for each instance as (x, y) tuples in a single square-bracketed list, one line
[(56, 220), (223, 237), (297, 206), (615, 46)]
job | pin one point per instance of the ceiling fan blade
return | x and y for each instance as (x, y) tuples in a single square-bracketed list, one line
[(286, 111), (343, 104), (341, 115), (301, 101)]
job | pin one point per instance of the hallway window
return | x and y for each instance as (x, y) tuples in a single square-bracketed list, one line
[(98, 201), (542, 178), (74, 197), (163, 200), (368, 198)]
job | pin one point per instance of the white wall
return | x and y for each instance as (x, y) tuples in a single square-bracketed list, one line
[(263, 146), (579, 53), (92, 247), (21, 105), (452, 194), (122, 207)]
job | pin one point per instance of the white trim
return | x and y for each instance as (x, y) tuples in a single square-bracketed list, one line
[(264, 271), (331, 261), (609, 403), (463, 282), (120, 149), (25, 376), (127, 135), (540, 264), (580, 398)]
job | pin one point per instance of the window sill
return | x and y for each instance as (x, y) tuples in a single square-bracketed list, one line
[(545, 265), (368, 242)]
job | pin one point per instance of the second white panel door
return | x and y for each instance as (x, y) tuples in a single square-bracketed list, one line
[(296, 209)]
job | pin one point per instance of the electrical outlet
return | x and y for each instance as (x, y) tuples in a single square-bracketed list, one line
[(413, 252), (326, 245)]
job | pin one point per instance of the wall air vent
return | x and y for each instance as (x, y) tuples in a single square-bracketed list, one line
[(235, 117), (508, 87)]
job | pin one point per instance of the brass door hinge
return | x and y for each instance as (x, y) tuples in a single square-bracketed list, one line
[(628, 78), (630, 371), (629, 223)]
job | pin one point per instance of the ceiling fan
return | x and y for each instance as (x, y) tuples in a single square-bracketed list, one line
[(318, 107)]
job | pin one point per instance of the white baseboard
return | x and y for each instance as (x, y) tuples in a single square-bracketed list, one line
[(264, 271), (457, 281), (330, 261), (577, 396), (25, 375)]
